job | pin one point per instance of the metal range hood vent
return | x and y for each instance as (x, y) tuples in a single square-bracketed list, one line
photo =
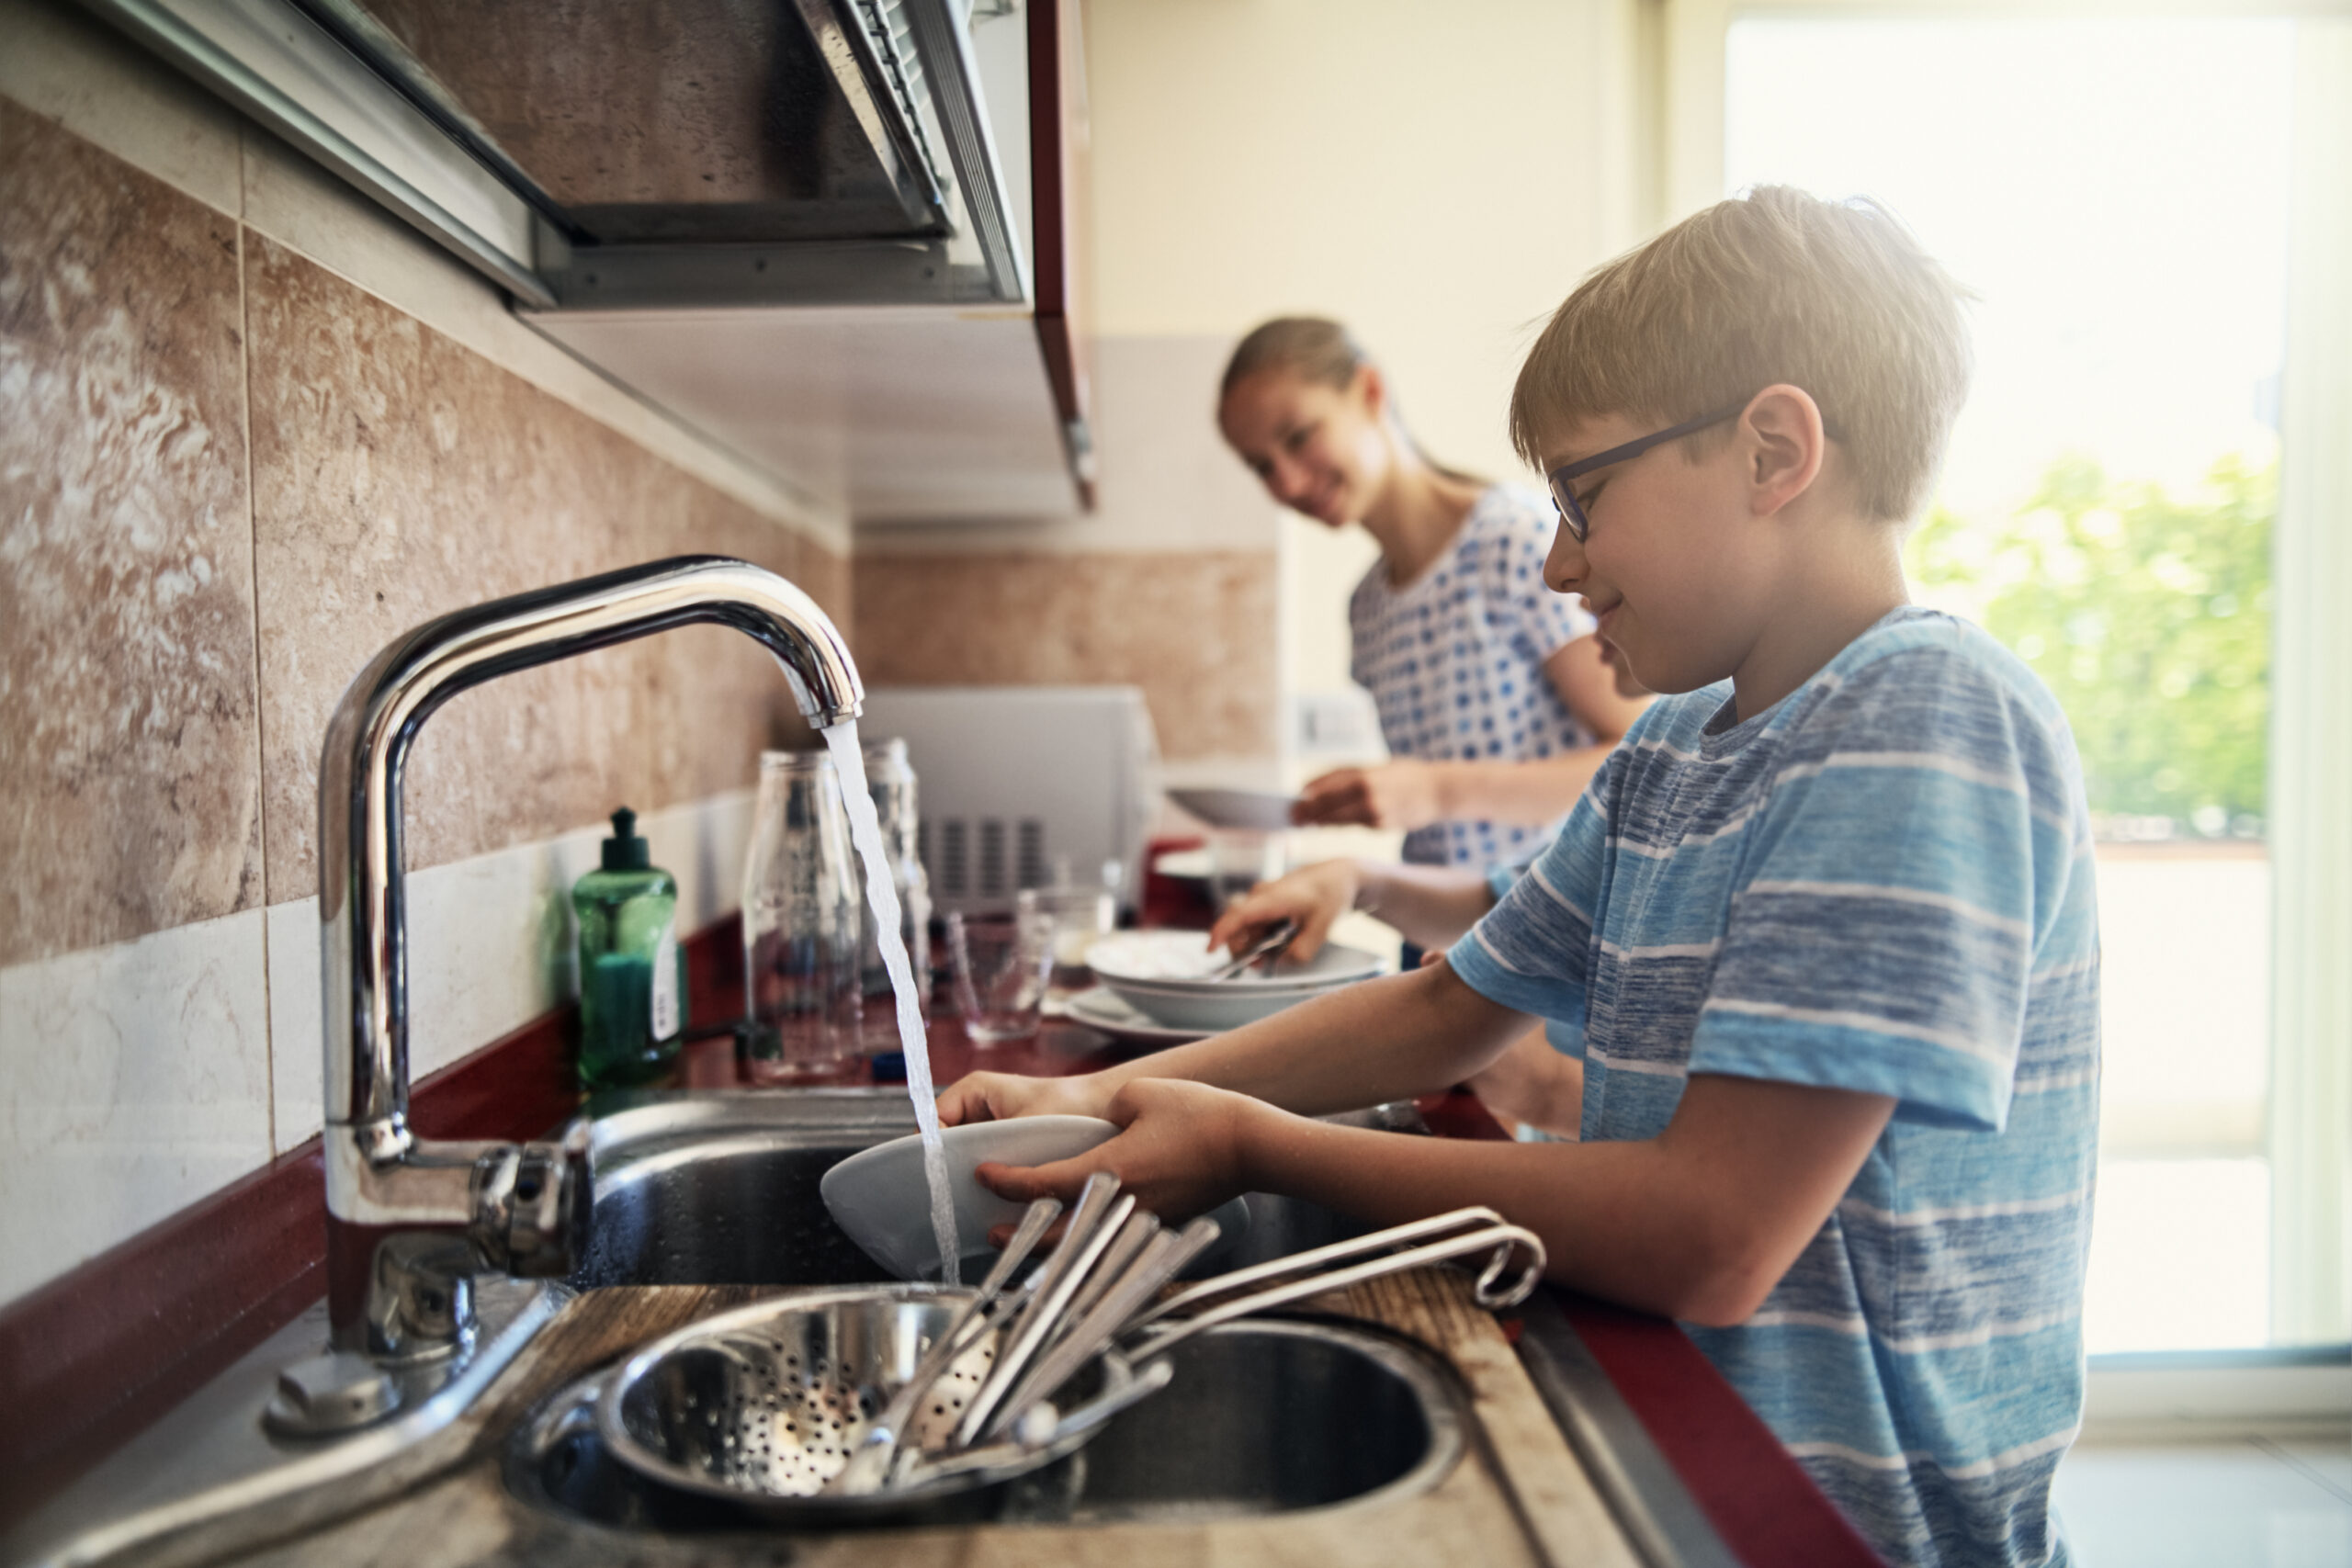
[(619, 153)]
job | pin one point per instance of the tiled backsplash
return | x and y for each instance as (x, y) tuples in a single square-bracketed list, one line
[(1182, 627), (254, 429)]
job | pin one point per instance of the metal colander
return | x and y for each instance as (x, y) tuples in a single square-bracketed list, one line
[(764, 1404)]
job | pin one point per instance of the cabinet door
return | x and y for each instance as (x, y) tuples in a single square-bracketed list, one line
[(1062, 223)]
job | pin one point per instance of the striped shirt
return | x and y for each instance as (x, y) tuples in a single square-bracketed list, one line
[(1882, 882)]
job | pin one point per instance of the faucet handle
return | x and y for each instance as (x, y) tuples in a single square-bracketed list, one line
[(531, 1203)]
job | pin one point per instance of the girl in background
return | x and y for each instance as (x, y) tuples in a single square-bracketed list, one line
[(1494, 697)]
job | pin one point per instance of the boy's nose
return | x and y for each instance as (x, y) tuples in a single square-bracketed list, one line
[(1563, 567)]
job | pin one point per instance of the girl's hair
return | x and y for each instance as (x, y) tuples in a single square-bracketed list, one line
[(1321, 352), (1316, 349)]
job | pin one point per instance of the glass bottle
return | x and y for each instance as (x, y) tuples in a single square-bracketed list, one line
[(632, 970), (801, 925), (891, 780)]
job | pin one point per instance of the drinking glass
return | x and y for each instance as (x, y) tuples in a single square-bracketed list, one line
[(1080, 915), (801, 925), (1000, 962)]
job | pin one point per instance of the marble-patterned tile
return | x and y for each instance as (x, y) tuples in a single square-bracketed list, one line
[(134, 1079), (1196, 631), (491, 943), (399, 475), (129, 747), (292, 199)]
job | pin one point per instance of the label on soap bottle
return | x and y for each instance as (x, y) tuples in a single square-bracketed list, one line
[(665, 981)]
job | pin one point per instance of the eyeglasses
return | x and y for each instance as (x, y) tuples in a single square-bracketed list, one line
[(1563, 478)]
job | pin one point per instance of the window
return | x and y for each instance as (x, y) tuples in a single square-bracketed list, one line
[(2141, 502)]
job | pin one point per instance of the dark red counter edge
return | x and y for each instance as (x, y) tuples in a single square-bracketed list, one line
[(1752, 1490), (94, 1356)]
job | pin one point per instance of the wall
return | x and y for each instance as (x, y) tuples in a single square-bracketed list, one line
[(249, 431), (1438, 178)]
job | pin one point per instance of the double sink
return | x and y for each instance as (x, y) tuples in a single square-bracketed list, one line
[(1261, 1417), (722, 1188)]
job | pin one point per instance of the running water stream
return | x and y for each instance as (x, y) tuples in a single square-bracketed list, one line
[(866, 832)]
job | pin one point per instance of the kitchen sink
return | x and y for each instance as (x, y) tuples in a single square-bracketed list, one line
[(1264, 1416), (722, 1190)]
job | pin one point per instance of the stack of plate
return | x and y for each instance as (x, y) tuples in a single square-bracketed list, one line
[(1164, 974)]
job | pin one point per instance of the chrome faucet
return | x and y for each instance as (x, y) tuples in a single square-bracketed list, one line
[(409, 1221)]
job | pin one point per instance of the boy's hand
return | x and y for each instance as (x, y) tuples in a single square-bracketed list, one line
[(1000, 1096), (1313, 898), (1180, 1152), (1403, 794)]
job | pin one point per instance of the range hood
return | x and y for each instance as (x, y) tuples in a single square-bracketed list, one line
[(788, 222), (638, 153)]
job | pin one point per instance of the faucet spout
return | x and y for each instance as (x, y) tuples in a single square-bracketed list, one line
[(518, 1208)]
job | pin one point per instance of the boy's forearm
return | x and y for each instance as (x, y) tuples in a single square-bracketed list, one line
[(1430, 905), (1696, 1224), (1386, 1039), (1527, 795), (1607, 1222)]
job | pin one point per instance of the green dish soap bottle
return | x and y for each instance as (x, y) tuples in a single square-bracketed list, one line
[(632, 971)]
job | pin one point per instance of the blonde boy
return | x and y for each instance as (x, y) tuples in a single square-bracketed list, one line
[(1825, 915)]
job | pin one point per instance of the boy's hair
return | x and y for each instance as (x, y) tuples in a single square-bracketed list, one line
[(1836, 298)]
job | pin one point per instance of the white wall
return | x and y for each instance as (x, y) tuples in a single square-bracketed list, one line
[(1437, 177)]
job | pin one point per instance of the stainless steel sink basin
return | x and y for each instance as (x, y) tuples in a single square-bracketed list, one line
[(722, 1190), (1263, 1417)]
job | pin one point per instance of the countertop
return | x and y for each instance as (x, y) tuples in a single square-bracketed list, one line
[(1517, 1497)]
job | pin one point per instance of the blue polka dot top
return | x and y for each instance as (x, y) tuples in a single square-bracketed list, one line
[(1455, 659)]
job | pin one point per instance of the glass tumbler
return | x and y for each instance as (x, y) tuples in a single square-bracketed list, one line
[(801, 922), (1000, 962), (1081, 916), (890, 781)]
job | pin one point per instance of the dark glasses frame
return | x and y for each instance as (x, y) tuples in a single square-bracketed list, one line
[(1564, 495)]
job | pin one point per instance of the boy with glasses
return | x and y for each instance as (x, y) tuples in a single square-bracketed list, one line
[(1826, 915)]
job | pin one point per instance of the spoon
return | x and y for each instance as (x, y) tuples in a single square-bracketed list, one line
[(1271, 945)]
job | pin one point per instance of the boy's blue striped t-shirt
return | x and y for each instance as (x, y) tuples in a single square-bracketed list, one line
[(1882, 882)]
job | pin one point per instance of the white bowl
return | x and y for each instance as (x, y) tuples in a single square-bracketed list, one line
[(1183, 960), (878, 1197), (1163, 975)]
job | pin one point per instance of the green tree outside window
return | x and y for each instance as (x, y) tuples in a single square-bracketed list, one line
[(2149, 615)]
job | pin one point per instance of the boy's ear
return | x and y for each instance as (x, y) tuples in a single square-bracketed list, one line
[(1783, 446), (1372, 389)]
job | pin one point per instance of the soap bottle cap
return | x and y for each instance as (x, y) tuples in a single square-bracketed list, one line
[(624, 851)]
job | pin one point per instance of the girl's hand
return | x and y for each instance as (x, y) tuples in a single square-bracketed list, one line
[(1402, 794), (1313, 898), (1181, 1153), (1000, 1096)]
